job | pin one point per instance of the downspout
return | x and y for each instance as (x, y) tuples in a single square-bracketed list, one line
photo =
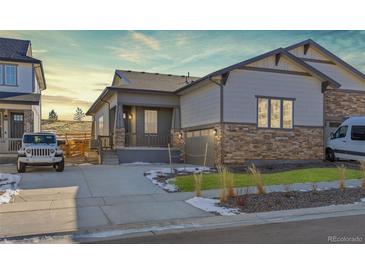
[(221, 115)]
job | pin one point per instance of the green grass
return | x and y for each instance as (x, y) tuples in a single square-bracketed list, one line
[(210, 181)]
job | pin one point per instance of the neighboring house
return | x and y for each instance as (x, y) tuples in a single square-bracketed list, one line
[(21, 83), (280, 105)]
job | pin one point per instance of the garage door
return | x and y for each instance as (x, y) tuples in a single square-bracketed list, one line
[(196, 144)]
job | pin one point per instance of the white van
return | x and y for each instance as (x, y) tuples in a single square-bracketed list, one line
[(348, 141)]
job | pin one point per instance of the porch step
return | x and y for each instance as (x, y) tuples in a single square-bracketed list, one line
[(110, 157)]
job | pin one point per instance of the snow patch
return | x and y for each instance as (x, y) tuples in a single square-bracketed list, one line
[(159, 177), (212, 206), (8, 187)]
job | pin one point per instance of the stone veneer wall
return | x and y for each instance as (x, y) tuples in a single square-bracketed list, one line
[(341, 104), (28, 121), (246, 142), (119, 138)]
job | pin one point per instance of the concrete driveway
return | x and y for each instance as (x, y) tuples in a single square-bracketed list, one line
[(89, 197)]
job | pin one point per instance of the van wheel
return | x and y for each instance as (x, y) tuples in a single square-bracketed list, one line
[(330, 155), (60, 166), (21, 167)]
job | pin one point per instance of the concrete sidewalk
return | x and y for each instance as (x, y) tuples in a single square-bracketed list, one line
[(89, 197)]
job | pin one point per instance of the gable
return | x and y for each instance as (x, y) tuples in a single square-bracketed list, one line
[(283, 64), (311, 53)]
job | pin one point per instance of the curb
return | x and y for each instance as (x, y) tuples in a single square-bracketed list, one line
[(194, 224)]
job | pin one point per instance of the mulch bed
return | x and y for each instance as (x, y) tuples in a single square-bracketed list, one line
[(295, 199), (279, 167)]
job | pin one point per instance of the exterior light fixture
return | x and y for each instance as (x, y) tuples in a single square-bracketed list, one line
[(180, 135), (215, 132), (124, 115), (130, 116)]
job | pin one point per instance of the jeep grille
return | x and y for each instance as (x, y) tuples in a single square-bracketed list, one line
[(40, 152)]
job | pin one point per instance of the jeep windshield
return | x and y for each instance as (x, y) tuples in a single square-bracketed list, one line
[(39, 139)]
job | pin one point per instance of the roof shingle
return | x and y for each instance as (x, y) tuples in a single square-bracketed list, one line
[(14, 49), (152, 81)]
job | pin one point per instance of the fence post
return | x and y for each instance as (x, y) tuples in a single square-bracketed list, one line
[(170, 157)]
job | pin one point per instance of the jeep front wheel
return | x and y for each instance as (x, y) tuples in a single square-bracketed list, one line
[(20, 167), (60, 166)]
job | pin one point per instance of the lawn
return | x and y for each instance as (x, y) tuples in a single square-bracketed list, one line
[(210, 181)]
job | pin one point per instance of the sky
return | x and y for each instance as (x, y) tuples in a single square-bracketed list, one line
[(79, 64)]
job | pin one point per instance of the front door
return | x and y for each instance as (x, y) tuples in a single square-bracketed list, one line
[(16, 125)]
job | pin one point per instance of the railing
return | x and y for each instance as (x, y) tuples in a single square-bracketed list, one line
[(148, 140), (10, 144)]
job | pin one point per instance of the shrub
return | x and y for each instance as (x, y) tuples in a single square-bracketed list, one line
[(362, 166), (222, 171), (341, 176), (257, 178), (198, 178), (314, 187)]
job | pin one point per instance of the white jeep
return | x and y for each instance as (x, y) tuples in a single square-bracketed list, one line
[(40, 149)]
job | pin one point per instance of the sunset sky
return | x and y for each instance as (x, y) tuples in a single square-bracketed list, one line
[(79, 64)]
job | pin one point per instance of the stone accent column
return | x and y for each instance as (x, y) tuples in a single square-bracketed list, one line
[(178, 141), (119, 132), (28, 121), (219, 145)]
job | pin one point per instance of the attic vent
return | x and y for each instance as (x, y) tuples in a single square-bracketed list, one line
[(129, 71), (168, 74), (157, 73), (142, 72)]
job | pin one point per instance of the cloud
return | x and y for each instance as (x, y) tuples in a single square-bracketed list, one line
[(39, 50), (134, 56), (146, 40)]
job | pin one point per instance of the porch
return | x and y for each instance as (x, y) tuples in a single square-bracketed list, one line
[(14, 121), (137, 133)]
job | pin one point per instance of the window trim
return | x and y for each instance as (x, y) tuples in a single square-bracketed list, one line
[(269, 98), (3, 83)]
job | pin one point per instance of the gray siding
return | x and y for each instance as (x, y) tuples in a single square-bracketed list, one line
[(200, 106), (148, 99), (242, 87)]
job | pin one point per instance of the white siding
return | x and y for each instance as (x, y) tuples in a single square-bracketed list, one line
[(347, 79), (200, 106), (269, 62), (24, 78), (311, 53), (242, 86), (37, 118), (102, 112)]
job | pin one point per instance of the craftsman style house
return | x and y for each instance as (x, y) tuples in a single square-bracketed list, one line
[(21, 83), (280, 105)]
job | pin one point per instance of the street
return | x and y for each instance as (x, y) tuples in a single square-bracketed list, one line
[(348, 229)]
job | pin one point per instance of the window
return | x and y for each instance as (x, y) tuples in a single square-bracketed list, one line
[(101, 125), (341, 132), (150, 121), (263, 112), (8, 75), (358, 133), (287, 114), (275, 113)]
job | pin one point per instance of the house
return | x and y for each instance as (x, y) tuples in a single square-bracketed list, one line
[(21, 82), (280, 105)]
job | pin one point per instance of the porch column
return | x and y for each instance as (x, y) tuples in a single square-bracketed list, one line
[(177, 135), (28, 121), (119, 132)]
